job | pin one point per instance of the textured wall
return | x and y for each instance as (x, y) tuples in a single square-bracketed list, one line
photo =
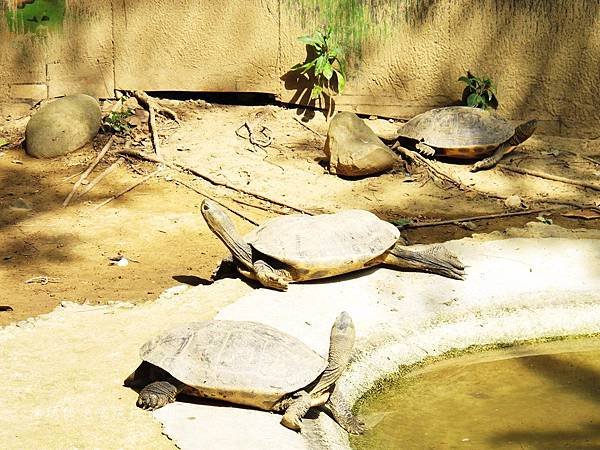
[(404, 55), (544, 55), (73, 55)]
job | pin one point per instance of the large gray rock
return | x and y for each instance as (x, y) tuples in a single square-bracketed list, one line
[(353, 149), (62, 126)]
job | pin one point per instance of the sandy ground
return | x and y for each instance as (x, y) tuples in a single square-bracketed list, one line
[(158, 227), (73, 396)]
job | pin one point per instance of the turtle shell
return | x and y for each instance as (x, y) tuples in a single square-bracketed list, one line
[(320, 246), (459, 131), (241, 362)]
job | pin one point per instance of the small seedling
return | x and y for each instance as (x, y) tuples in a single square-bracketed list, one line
[(117, 121), (323, 63), (479, 92), (401, 223)]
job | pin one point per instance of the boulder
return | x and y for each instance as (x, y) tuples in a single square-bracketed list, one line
[(353, 148), (62, 126)]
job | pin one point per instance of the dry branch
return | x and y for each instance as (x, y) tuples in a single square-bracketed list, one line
[(148, 101), (487, 216), (549, 176), (210, 179), (308, 128), (88, 171), (100, 177), (126, 190), (204, 194)]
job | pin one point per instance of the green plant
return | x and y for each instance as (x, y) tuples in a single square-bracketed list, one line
[(324, 63), (117, 121), (479, 92)]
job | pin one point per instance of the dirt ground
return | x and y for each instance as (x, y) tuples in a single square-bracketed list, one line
[(50, 253)]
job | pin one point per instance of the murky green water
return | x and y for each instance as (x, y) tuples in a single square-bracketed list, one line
[(545, 396)]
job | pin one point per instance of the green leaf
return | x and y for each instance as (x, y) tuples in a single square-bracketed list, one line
[(401, 223), (320, 65), (312, 41), (464, 80), (341, 81), (315, 92), (304, 67), (3, 142), (327, 70), (473, 99)]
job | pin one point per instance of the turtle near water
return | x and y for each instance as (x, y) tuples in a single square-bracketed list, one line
[(463, 132), (303, 247), (250, 364)]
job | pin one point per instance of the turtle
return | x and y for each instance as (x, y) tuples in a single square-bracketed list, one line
[(462, 132), (247, 363), (302, 247)]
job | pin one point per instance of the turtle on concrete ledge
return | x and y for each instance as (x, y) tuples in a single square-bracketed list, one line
[(247, 363), (463, 132), (302, 247)]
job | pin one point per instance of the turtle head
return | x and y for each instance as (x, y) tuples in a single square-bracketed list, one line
[(220, 224), (343, 323), (214, 215), (342, 341), (525, 130)]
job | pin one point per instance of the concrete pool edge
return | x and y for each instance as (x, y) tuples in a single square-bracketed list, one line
[(372, 368)]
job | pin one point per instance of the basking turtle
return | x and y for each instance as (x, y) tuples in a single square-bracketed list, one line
[(247, 363), (463, 132), (302, 247)]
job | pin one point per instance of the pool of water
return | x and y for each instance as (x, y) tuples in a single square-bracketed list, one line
[(543, 396)]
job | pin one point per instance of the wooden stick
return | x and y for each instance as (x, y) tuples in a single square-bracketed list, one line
[(124, 191), (148, 101), (88, 171), (204, 194), (211, 180), (308, 128), (431, 166), (487, 216), (99, 178), (154, 131), (549, 176)]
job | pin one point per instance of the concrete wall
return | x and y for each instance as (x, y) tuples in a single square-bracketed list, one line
[(404, 55)]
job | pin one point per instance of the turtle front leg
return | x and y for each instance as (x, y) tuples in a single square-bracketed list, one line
[(436, 260), (158, 394), (522, 133), (425, 149), (342, 414), (270, 277), (491, 161), (297, 409)]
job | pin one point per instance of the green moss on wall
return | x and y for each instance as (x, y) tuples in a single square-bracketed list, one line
[(36, 16)]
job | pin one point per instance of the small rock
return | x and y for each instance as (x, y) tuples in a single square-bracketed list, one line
[(514, 202), (62, 126), (353, 149), (21, 205), (131, 103)]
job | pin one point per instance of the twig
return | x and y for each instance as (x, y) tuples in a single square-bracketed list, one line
[(43, 280), (88, 171), (148, 101), (487, 216), (100, 177), (211, 180), (308, 128), (204, 194), (124, 191), (268, 140), (549, 176), (153, 130), (431, 166)]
